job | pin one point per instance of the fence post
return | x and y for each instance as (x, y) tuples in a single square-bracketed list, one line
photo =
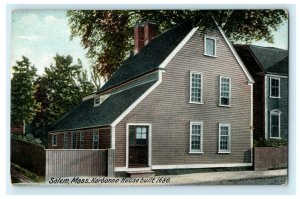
[(110, 162)]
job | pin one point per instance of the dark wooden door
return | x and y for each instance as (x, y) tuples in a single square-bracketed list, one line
[(138, 146)]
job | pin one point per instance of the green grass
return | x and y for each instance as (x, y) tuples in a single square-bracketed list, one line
[(29, 174)]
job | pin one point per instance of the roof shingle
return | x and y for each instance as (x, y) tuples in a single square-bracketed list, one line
[(150, 57), (268, 56), (85, 115)]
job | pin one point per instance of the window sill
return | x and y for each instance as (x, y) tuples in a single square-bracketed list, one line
[(215, 56), (54, 145), (275, 97), (191, 102), (228, 106), (275, 138), (224, 152), (195, 152)]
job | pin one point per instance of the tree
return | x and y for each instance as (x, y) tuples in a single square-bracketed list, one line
[(108, 34), (23, 103), (60, 89)]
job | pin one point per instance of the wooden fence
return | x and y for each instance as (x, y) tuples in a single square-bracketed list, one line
[(81, 162), (28, 155), (270, 158)]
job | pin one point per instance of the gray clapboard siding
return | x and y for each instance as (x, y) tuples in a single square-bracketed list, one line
[(168, 109)]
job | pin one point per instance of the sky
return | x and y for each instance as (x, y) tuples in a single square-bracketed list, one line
[(40, 34)]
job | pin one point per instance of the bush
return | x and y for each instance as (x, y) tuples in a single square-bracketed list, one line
[(270, 143), (28, 138)]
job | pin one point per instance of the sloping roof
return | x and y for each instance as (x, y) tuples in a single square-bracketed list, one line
[(280, 67), (268, 56), (86, 115), (150, 57)]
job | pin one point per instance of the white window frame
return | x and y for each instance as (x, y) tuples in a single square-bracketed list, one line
[(191, 151), (97, 100), (220, 91), (149, 144), (276, 78), (95, 132), (81, 140), (201, 88), (278, 113), (215, 42), (54, 140), (229, 138)]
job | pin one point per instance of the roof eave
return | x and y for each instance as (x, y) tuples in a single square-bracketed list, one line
[(81, 128), (239, 60)]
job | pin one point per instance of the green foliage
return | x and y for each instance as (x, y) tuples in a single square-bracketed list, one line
[(28, 138), (61, 88), (23, 103), (270, 143), (108, 34)]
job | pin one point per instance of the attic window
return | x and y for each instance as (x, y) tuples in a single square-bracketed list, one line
[(210, 46), (97, 100)]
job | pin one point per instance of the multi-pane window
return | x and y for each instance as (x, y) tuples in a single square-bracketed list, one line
[(275, 124), (210, 46), (65, 140), (274, 87), (74, 140), (81, 140), (141, 135), (225, 91), (196, 80), (95, 139), (196, 129), (224, 138), (54, 140), (138, 135)]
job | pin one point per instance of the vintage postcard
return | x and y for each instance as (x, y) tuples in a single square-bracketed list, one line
[(149, 97)]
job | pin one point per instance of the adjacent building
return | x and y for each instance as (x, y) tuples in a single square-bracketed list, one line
[(269, 68)]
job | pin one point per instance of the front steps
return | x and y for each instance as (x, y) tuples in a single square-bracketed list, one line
[(139, 174)]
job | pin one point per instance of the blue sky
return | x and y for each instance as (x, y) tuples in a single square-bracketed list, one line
[(40, 34)]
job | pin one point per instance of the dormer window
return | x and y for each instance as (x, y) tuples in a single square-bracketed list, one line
[(210, 46), (97, 100)]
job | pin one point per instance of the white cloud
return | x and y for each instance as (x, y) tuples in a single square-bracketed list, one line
[(30, 38), (50, 19)]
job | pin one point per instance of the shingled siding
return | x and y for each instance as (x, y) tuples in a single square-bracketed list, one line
[(104, 139), (168, 109)]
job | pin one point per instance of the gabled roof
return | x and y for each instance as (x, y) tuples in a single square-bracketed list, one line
[(268, 56), (85, 115), (280, 67), (150, 57)]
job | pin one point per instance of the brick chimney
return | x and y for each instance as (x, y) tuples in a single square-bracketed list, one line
[(143, 34)]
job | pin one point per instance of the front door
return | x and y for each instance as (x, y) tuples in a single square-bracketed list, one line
[(138, 146)]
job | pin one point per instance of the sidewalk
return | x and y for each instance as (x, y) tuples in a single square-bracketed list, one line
[(202, 178)]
